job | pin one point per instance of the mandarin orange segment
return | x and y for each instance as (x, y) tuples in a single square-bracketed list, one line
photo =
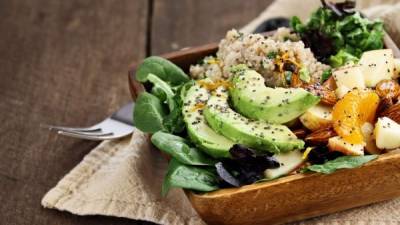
[(351, 112)]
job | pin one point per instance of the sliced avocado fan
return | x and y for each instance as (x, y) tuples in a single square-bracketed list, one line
[(199, 132), (253, 99), (259, 135)]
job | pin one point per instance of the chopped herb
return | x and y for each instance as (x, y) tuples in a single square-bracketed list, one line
[(272, 55)]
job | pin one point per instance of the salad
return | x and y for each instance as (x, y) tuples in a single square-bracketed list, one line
[(319, 97)]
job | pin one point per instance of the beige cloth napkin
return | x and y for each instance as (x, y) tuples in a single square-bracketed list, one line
[(123, 177)]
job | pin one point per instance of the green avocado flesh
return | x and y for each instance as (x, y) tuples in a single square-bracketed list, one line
[(253, 99), (254, 134), (199, 132)]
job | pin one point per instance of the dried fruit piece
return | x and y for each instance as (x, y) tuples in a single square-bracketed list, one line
[(295, 81), (321, 136), (387, 89), (351, 112), (327, 96)]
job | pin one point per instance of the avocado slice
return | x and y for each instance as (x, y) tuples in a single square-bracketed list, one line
[(199, 132), (253, 99), (254, 134)]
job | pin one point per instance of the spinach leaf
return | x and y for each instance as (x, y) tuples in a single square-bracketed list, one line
[(174, 122), (157, 82), (343, 162), (149, 113), (159, 86), (189, 177), (184, 88), (159, 93), (162, 68), (179, 148)]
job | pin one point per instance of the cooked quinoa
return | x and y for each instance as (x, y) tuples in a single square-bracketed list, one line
[(274, 57)]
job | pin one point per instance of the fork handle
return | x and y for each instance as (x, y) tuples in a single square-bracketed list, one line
[(80, 129)]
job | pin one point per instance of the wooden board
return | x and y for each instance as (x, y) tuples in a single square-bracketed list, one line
[(61, 62), (176, 25), (65, 62), (293, 197)]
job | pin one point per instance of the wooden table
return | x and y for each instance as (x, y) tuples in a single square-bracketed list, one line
[(65, 62)]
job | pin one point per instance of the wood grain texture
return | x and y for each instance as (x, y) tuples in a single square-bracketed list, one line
[(192, 22), (61, 62), (65, 62)]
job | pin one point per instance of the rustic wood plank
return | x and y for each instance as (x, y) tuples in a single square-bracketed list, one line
[(178, 24), (61, 62)]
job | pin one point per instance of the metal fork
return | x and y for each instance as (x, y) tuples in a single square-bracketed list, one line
[(118, 125)]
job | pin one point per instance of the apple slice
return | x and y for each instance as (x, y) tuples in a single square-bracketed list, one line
[(317, 117), (349, 77), (289, 162), (377, 65), (342, 91), (367, 130), (387, 133), (340, 145)]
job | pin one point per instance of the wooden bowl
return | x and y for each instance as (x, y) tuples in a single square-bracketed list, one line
[(294, 197)]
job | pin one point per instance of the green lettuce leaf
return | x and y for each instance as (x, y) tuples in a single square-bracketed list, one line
[(330, 36), (341, 58)]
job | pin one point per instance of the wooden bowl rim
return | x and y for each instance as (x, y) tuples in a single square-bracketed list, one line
[(286, 179)]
